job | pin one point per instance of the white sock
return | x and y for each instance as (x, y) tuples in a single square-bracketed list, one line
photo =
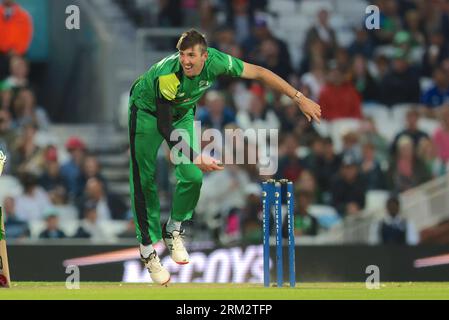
[(173, 225), (145, 251)]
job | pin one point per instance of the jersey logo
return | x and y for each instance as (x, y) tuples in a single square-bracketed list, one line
[(203, 84), (181, 94)]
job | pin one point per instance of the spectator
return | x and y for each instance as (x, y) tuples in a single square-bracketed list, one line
[(364, 83), (31, 205), (438, 94), (411, 130), (316, 77), (108, 205), (368, 134), (51, 177), (52, 230), (27, 111), (428, 154), (339, 98), (436, 52), (241, 18), (362, 45), (289, 166), (304, 223), (351, 145), (406, 170), (413, 25), (6, 96), (370, 168), (19, 70), (90, 227), (216, 114), (7, 134), (16, 28), (401, 83), (262, 32), (348, 188), (17, 228), (251, 218), (441, 136), (390, 22), (259, 116), (26, 155), (308, 183), (90, 169), (394, 229), (270, 57), (71, 170), (323, 32), (170, 14), (326, 166)]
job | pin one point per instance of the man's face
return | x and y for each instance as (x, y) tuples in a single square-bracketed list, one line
[(192, 60)]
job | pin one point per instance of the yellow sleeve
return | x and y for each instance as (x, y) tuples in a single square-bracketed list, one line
[(168, 86)]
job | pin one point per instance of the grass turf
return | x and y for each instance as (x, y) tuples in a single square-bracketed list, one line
[(303, 291)]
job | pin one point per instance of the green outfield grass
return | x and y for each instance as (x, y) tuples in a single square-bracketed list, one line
[(303, 291)]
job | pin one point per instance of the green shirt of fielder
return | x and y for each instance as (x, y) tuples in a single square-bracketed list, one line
[(161, 101)]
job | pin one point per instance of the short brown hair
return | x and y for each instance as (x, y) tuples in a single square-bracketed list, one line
[(191, 38)]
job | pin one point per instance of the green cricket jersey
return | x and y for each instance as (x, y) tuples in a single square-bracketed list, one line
[(166, 80)]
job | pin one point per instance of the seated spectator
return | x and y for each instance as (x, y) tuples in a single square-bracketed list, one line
[(325, 168), (90, 227), (394, 229), (289, 166), (71, 170), (216, 114), (31, 205), (413, 26), (51, 177), (370, 168), (27, 111), (406, 170), (19, 70), (401, 83), (436, 51), (304, 223), (108, 205), (348, 188), (351, 145), (17, 228), (251, 217), (362, 44), (316, 77), (52, 230), (7, 134), (90, 169), (270, 57), (26, 155), (16, 28), (363, 81), (6, 96), (390, 22), (307, 182), (339, 98), (321, 30), (441, 136), (368, 134), (259, 115), (438, 94), (411, 130), (428, 154)]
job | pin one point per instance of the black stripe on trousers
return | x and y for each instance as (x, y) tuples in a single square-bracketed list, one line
[(139, 198)]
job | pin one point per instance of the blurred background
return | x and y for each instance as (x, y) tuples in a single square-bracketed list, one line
[(371, 179)]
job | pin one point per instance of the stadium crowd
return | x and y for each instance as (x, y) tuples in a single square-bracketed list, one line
[(386, 66)]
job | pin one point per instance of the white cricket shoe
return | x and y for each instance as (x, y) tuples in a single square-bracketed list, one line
[(173, 241), (157, 271)]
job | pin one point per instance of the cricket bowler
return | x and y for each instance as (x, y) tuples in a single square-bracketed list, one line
[(164, 100)]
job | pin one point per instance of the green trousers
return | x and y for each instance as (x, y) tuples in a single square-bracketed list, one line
[(145, 140)]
